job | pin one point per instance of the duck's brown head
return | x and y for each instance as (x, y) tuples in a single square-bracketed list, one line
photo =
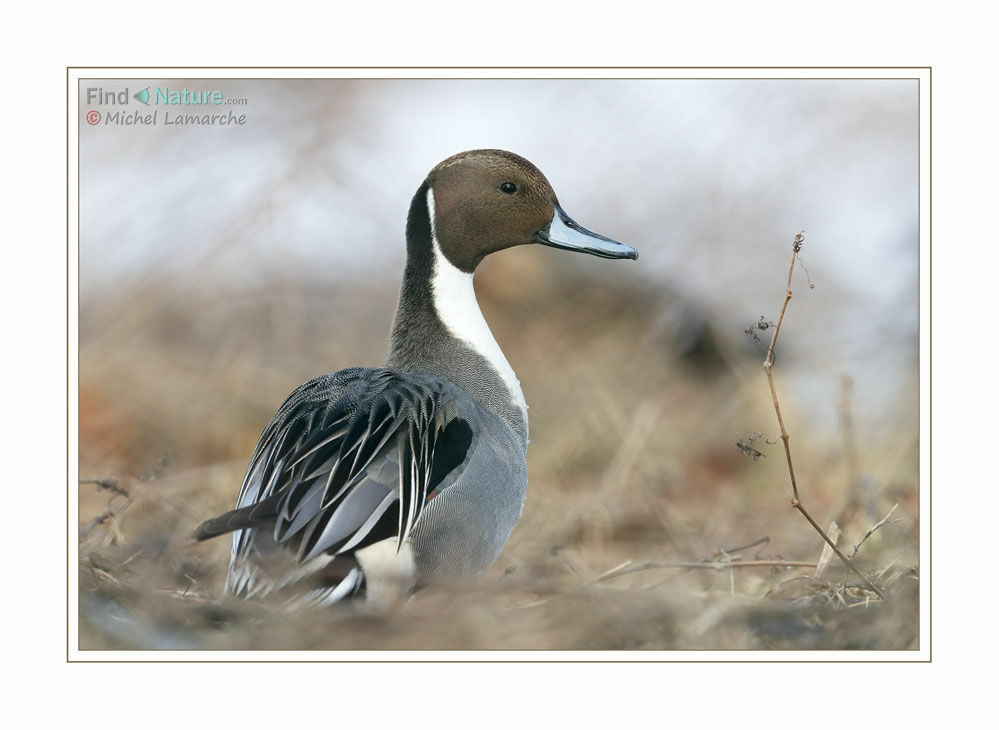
[(483, 201)]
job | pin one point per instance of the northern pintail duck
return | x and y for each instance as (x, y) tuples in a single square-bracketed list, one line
[(422, 461)]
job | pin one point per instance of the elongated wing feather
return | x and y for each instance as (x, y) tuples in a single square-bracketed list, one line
[(350, 458)]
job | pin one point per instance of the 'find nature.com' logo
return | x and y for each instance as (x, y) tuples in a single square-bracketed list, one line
[(155, 97)]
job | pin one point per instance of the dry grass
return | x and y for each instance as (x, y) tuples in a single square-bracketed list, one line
[(633, 457)]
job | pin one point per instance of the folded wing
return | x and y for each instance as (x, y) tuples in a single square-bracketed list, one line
[(349, 459)]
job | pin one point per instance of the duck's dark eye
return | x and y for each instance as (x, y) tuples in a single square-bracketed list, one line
[(509, 188)]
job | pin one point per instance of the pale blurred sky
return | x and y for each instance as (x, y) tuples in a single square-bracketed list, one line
[(710, 180)]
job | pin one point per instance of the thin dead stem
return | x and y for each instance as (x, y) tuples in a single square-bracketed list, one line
[(768, 364), (755, 543), (827, 554), (884, 521), (627, 567), (109, 484)]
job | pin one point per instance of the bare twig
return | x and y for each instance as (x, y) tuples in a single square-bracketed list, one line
[(109, 484), (727, 555), (730, 551), (768, 364), (96, 522), (610, 573), (826, 552), (888, 567), (884, 521), (627, 567)]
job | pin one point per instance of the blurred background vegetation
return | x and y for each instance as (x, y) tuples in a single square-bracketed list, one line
[(222, 267)]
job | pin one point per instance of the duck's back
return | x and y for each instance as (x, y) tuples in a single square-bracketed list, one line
[(367, 456)]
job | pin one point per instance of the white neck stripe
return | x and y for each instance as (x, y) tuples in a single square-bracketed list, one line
[(454, 300)]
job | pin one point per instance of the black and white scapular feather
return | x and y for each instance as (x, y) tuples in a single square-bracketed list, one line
[(350, 459)]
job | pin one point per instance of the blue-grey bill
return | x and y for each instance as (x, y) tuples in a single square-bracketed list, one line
[(564, 232)]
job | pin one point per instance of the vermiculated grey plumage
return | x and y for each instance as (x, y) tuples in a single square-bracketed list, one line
[(354, 457)]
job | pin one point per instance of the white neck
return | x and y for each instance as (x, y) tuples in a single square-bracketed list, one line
[(454, 300)]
